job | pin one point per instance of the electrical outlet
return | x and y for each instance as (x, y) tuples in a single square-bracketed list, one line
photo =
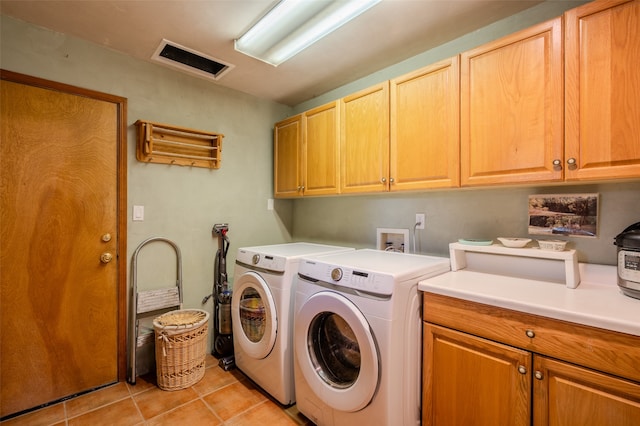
[(420, 220)]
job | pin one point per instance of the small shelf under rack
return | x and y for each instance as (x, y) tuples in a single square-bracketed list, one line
[(167, 144), (458, 251)]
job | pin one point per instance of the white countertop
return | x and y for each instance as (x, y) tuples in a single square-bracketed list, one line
[(596, 302)]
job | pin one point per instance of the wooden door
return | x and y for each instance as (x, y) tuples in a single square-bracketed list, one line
[(511, 108), (287, 157), (568, 395), (322, 150), (425, 128), (364, 140), (602, 90), (473, 381), (62, 316)]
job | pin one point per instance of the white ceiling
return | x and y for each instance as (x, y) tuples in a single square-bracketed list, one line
[(388, 33)]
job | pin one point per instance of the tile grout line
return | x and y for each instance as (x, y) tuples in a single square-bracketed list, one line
[(144, 421), (67, 418)]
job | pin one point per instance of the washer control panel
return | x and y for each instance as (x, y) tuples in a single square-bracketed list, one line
[(371, 282), (262, 260)]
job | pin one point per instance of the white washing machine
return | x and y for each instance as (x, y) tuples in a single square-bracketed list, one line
[(262, 313), (357, 337)]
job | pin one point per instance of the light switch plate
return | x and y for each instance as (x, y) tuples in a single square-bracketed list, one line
[(138, 213)]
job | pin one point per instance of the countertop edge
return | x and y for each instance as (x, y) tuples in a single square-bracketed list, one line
[(598, 304)]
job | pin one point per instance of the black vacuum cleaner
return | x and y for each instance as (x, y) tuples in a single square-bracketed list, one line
[(222, 330)]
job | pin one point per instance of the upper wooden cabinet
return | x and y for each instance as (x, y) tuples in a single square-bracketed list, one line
[(602, 99), (287, 157), (545, 104), (511, 99), (321, 136), (364, 132), (425, 128), (306, 153)]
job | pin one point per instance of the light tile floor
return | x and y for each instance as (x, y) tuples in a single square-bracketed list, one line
[(220, 398)]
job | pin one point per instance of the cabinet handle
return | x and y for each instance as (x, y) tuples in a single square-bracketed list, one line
[(530, 334), (383, 180), (522, 369), (573, 164), (391, 180), (538, 375), (557, 164)]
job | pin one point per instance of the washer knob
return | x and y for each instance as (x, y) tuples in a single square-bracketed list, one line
[(255, 259), (336, 274)]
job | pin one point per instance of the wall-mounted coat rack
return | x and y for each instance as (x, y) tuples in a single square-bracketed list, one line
[(166, 144)]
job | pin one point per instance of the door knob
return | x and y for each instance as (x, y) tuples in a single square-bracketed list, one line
[(106, 257)]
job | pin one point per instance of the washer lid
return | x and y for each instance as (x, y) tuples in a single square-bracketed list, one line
[(374, 271), (275, 257)]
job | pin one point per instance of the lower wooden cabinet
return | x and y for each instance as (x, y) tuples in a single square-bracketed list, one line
[(565, 394), (470, 379)]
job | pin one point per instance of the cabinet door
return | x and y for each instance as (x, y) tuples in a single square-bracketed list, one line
[(568, 395), (364, 153), (322, 150), (473, 381), (425, 128), (602, 90), (511, 115), (287, 158)]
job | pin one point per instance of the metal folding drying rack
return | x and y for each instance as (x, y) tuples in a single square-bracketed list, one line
[(150, 303)]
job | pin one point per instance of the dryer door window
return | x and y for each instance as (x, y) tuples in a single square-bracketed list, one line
[(254, 316), (336, 351)]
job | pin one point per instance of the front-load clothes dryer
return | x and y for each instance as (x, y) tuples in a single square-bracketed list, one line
[(261, 313), (357, 334)]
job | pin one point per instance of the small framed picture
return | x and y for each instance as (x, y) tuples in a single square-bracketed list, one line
[(575, 215)]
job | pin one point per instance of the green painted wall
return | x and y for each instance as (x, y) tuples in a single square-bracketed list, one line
[(181, 203), (184, 203)]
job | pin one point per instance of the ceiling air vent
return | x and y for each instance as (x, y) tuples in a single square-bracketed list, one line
[(190, 61)]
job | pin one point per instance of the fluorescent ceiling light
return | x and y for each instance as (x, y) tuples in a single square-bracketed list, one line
[(293, 25)]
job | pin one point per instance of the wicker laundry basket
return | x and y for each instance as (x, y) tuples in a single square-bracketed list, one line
[(181, 347)]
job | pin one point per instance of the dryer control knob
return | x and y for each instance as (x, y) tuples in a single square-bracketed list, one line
[(256, 259), (336, 274)]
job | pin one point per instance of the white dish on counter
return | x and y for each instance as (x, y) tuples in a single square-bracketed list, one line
[(475, 242), (514, 242), (552, 245)]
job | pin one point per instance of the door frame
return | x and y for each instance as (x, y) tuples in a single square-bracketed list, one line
[(121, 168)]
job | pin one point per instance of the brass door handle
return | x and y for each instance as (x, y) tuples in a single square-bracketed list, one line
[(106, 257)]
